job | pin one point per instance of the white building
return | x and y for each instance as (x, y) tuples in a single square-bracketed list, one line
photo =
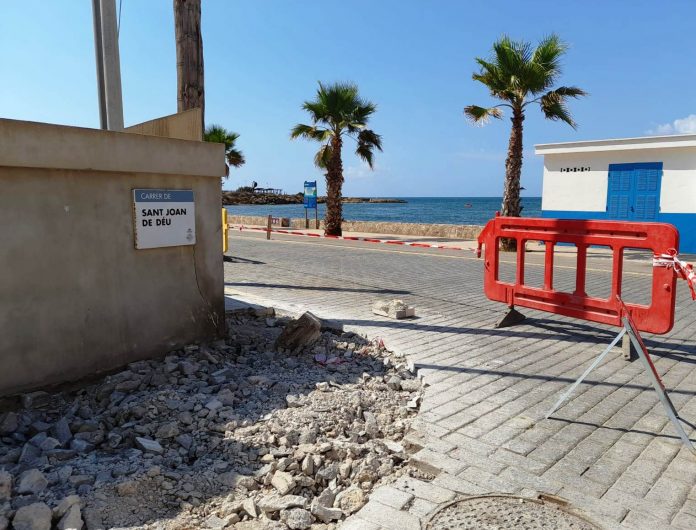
[(633, 179)]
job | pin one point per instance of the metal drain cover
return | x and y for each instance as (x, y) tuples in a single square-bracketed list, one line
[(505, 512)]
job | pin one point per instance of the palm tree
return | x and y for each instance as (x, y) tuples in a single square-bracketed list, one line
[(521, 75), (337, 112), (190, 92), (218, 134)]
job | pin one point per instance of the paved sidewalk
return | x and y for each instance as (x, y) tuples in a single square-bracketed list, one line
[(610, 450)]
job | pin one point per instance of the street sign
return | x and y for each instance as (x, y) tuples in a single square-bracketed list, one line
[(164, 218), (310, 194)]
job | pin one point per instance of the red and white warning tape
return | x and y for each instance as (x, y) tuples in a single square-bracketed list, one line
[(354, 238), (681, 268)]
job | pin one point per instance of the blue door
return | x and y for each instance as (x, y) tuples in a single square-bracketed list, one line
[(634, 191)]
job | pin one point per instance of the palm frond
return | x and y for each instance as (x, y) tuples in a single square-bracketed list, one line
[(218, 134), (555, 109), (482, 115), (235, 158), (368, 141), (323, 156), (310, 132)]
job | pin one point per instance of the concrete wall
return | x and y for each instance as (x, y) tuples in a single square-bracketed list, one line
[(375, 227), (184, 125), (76, 297)]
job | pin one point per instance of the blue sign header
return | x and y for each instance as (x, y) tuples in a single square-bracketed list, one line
[(163, 195)]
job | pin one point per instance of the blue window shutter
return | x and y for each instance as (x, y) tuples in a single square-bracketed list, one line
[(634, 191)]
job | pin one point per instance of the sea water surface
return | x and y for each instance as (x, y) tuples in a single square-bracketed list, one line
[(440, 210)]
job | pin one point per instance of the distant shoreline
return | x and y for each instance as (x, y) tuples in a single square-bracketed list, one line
[(246, 198)]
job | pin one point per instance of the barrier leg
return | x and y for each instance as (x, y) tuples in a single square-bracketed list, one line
[(580, 379), (268, 227), (629, 352), (512, 318), (659, 387)]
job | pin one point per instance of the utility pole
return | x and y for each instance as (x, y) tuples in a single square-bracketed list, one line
[(108, 64)]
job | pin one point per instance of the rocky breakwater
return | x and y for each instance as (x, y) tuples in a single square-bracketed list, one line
[(282, 425)]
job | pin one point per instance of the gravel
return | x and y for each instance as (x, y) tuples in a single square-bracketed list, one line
[(240, 433)]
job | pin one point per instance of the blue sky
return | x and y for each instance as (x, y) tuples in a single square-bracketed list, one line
[(413, 58)]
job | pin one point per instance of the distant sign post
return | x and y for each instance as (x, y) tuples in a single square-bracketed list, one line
[(310, 201), (164, 218)]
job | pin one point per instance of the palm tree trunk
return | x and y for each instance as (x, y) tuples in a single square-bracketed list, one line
[(513, 172), (189, 57), (334, 185)]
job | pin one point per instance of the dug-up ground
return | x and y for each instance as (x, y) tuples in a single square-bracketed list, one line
[(285, 424)]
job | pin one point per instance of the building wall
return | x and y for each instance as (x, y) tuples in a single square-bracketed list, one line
[(76, 297), (583, 194)]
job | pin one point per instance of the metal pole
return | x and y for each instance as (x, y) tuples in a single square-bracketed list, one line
[(112, 65), (99, 57)]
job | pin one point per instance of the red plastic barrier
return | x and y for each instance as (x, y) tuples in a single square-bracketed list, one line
[(658, 317)]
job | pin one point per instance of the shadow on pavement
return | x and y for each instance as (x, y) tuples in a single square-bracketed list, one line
[(318, 288)]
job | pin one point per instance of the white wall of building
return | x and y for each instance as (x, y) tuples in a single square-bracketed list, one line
[(586, 191)]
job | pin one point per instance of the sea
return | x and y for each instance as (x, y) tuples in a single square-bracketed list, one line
[(437, 210)]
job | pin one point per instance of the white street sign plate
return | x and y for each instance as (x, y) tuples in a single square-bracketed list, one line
[(164, 218)]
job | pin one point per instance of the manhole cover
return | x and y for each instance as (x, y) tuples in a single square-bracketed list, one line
[(503, 512)]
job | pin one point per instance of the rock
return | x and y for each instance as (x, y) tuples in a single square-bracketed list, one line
[(394, 382), (414, 403), (72, 520), (249, 506), (299, 333), (80, 480), (410, 385), (167, 430), (149, 446), (185, 440), (274, 503), (283, 482), (326, 514), (393, 309), (36, 516), (308, 465), (30, 455), (36, 400), (326, 498), (350, 500), (5, 486), (64, 505), (8, 423), (226, 397), (217, 523), (371, 427), (213, 404), (31, 481), (229, 478), (261, 525), (298, 519), (4, 523), (128, 488), (61, 431)]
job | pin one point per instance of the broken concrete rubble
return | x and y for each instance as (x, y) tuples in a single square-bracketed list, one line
[(230, 434)]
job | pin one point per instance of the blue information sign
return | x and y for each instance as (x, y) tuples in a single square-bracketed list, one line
[(310, 194)]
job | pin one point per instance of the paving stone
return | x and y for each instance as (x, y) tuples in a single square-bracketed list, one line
[(433, 463), (422, 508), (458, 485), (356, 523), (388, 517), (423, 490), (392, 497)]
